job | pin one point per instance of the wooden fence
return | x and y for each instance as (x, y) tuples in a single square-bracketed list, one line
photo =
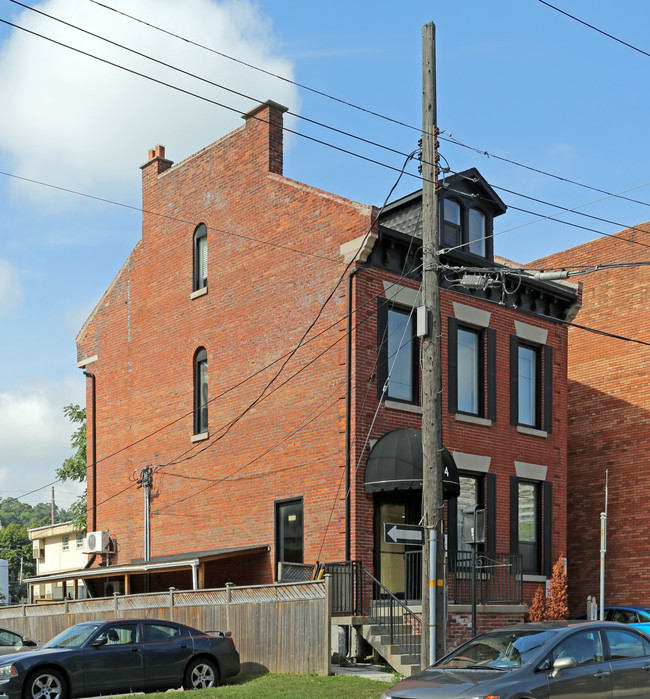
[(277, 628)]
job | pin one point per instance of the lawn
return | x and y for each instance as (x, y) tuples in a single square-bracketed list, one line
[(272, 686)]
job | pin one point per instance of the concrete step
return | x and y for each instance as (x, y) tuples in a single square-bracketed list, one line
[(394, 655)]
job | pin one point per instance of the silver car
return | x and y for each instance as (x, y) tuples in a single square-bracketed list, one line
[(580, 660), (12, 642)]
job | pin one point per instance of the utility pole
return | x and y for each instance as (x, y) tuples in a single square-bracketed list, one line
[(146, 481), (52, 506), (434, 626)]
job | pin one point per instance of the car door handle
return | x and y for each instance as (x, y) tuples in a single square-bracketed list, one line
[(135, 650), (184, 645), (601, 674)]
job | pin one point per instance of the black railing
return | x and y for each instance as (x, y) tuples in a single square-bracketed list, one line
[(498, 577), (398, 622), (345, 590)]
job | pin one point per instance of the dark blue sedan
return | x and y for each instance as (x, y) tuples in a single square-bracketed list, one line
[(112, 657)]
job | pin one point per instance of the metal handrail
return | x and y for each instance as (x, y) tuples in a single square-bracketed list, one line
[(403, 626)]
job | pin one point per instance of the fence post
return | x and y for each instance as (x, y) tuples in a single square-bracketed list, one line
[(116, 604), (171, 603), (229, 587), (327, 651)]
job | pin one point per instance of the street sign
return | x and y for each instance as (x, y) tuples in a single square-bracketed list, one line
[(403, 534)]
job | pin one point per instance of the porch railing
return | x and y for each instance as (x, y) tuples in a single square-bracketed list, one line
[(498, 577)]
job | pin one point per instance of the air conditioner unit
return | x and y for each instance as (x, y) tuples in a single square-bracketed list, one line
[(39, 549), (97, 542)]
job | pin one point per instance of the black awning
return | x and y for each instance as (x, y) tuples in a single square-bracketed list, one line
[(395, 463)]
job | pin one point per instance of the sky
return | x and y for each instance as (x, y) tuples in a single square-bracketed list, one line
[(548, 109)]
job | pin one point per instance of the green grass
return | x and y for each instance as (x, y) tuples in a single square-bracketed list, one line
[(272, 686)]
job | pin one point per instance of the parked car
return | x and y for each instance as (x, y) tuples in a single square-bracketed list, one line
[(12, 642), (637, 615), (126, 655), (540, 660)]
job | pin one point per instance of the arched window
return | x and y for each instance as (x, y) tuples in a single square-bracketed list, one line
[(200, 257), (200, 391)]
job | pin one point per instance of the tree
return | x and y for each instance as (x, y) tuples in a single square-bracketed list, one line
[(557, 607), (74, 467), (538, 607), (16, 549)]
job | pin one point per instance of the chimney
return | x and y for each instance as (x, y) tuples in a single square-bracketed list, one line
[(157, 156), (268, 115)]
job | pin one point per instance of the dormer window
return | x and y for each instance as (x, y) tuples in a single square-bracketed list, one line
[(476, 225), (465, 228)]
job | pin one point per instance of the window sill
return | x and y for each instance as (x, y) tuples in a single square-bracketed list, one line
[(532, 431), (199, 292), (200, 437), (473, 419), (406, 407), (527, 577)]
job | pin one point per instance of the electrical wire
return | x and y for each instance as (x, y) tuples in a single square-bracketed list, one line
[(591, 26)]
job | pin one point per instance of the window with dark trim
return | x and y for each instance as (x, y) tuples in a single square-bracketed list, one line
[(289, 532), (530, 524), (398, 366), (531, 384), (472, 370), (466, 227), (200, 391), (200, 257)]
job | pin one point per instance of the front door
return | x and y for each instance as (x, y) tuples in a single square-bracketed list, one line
[(396, 564)]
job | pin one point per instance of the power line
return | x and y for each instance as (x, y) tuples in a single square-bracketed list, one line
[(591, 26), (256, 100)]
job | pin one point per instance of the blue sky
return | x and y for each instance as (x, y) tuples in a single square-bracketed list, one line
[(516, 79)]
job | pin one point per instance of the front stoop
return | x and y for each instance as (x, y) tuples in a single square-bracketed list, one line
[(394, 655)]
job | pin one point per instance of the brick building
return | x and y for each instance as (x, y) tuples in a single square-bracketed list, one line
[(221, 357), (608, 408)]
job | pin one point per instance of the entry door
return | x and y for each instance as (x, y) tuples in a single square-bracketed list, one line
[(390, 559)]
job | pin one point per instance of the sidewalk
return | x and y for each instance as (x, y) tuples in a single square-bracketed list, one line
[(371, 672)]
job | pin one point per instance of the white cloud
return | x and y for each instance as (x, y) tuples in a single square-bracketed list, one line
[(11, 293), (73, 121), (35, 435)]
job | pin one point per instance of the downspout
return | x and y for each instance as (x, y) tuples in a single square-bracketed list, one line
[(93, 452), (348, 415)]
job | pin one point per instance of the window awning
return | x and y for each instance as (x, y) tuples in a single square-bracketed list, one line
[(395, 463)]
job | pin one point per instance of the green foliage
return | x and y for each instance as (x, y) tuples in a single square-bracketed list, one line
[(74, 467), (16, 549)]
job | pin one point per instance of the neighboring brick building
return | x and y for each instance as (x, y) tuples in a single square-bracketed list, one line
[(228, 378), (608, 412)]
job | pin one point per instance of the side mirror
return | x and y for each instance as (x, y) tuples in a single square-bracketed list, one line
[(29, 642), (100, 641), (562, 664)]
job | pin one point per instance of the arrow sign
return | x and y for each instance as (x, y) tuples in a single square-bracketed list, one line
[(403, 534)]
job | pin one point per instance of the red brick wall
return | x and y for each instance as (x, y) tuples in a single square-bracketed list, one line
[(608, 411), (459, 624), (273, 259)]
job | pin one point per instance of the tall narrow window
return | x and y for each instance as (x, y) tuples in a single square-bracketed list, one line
[(451, 228), (477, 241), (200, 391), (528, 526), (289, 532), (200, 257), (402, 358), (528, 380), (470, 376)]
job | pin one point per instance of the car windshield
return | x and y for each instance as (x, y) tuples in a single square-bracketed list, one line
[(499, 650), (74, 637)]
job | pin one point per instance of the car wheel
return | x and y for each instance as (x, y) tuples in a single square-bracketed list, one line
[(45, 684), (200, 674)]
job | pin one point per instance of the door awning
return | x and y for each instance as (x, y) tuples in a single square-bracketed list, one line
[(395, 463)]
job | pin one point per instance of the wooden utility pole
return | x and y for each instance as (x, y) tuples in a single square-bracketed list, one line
[(434, 626)]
